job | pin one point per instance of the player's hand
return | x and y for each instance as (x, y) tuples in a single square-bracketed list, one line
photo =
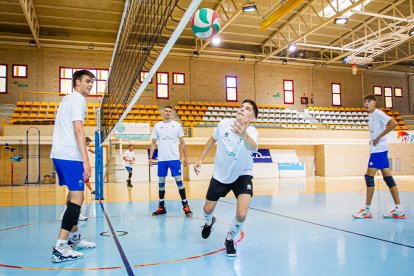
[(375, 141), (185, 163), (150, 162), (239, 128), (197, 167), (86, 170)]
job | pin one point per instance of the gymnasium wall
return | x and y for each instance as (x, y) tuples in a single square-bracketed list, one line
[(204, 79)]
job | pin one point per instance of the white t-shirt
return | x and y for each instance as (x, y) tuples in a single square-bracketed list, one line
[(64, 145), (167, 135), (129, 155), (377, 123), (232, 158)]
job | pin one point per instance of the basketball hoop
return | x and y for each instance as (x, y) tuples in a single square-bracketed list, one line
[(354, 69)]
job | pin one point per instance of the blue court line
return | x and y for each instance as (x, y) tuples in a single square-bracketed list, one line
[(326, 226), (118, 244)]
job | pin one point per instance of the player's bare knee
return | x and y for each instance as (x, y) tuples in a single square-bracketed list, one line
[(208, 209), (241, 216), (369, 181)]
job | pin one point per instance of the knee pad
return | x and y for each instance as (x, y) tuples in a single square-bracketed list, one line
[(179, 182), (71, 216), (389, 180), (161, 183), (369, 181)]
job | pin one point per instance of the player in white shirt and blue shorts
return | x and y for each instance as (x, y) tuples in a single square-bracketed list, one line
[(71, 162), (378, 160), (129, 159), (168, 134), (236, 141)]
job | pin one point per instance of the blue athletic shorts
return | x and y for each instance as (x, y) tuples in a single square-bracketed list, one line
[(379, 160), (174, 165), (70, 173), (129, 169)]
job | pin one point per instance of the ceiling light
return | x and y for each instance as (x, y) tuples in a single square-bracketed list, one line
[(341, 20), (216, 40), (249, 7), (32, 43), (292, 47), (195, 54), (324, 64), (284, 61), (411, 32), (91, 47), (242, 58), (145, 50), (370, 66)]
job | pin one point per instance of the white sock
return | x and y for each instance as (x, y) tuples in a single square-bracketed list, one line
[(208, 218), (398, 206), (60, 244), (367, 207), (74, 236), (235, 228)]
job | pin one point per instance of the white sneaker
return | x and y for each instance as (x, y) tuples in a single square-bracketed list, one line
[(363, 214), (81, 244), (65, 254), (395, 214), (82, 217)]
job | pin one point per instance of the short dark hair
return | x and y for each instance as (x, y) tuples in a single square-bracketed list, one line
[(370, 98), (130, 146), (253, 103), (168, 106), (78, 75), (88, 140)]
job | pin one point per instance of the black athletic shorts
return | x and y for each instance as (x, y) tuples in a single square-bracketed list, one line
[(242, 185)]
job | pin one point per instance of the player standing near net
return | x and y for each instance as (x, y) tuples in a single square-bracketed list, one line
[(168, 133), (378, 159), (233, 167), (129, 158), (71, 162)]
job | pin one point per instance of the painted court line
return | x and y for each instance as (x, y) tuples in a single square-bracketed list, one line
[(118, 244), (326, 226)]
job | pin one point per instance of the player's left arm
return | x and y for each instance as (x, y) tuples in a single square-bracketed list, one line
[(240, 128), (391, 125), (184, 150)]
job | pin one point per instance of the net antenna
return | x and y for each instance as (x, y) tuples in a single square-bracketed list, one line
[(141, 27)]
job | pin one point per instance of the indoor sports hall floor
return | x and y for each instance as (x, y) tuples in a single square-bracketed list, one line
[(294, 227)]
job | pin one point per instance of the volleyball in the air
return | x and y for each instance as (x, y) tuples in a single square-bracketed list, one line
[(205, 23)]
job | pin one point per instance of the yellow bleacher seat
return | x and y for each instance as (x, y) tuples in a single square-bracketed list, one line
[(20, 103), (187, 112), (154, 106), (145, 117), (26, 109), (16, 115), (18, 109), (153, 118), (160, 118), (43, 110), (50, 116), (36, 104), (28, 103)]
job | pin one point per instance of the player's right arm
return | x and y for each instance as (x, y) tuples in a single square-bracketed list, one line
[(152, 149), (210, 143), (80, 139)]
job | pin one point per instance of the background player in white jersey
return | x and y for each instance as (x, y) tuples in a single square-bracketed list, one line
[(378, 159), (129, 160), (167, 133), (233, 167), (71, 162)]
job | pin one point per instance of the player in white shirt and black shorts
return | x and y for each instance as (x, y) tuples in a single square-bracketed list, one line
[(168, 134), (236, 141), (378, 160), (129, 161), (71, 162)]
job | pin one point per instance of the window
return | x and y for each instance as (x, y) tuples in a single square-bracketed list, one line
[(388, 96), (65, 80), (143, 75), (288, 92), (340, 5), (231, 88), (377, 90), (336, 94), (3, 78), (19, 71), (162, 85), (178, 78), (398, 92)]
